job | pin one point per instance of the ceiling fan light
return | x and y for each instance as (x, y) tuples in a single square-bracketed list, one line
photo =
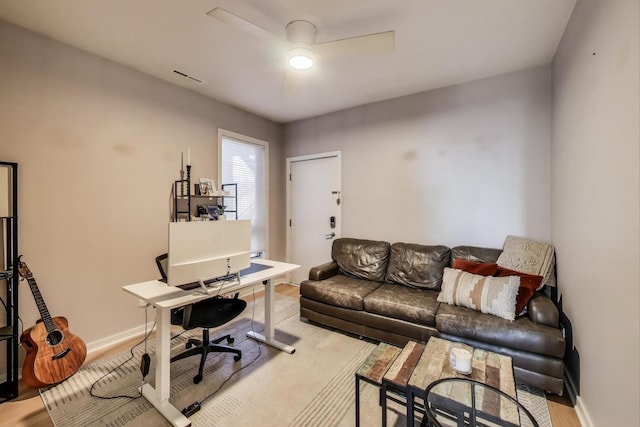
[(301, 58)]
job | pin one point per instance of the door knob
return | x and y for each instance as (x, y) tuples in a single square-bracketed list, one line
[(330, 236)]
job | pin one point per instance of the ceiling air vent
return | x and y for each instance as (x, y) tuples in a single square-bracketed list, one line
[(185, 75)]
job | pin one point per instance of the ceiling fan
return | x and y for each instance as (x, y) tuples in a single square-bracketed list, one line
[(302, 46)]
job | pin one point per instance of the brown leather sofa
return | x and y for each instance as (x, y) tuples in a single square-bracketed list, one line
[(389, 293)]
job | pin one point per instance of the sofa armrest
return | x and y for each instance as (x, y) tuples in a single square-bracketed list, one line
[(323, 271), (543, 311)]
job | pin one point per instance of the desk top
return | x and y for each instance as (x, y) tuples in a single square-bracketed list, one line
[(162, 295)]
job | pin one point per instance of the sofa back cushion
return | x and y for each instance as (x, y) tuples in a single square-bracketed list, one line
[(474, 253), (418, 266), (364, 259)]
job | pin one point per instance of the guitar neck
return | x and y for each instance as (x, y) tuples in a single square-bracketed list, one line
[(42, 307)]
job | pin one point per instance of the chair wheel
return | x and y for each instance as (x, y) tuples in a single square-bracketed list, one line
[(237, 357), (197, 379), (230, 340), (188, 345)]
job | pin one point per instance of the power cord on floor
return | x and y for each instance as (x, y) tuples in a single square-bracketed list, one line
[(195, 406), (144, 340)]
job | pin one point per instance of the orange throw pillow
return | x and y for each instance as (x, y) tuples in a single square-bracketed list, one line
[(481, 268), (528, 286)]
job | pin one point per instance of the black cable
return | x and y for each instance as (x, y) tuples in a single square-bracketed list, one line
[(144, 340)]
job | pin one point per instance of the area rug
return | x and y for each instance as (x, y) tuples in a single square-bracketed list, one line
[(315, 386)]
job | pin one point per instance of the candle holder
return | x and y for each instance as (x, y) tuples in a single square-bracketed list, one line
[(182, 182), (188, 180)]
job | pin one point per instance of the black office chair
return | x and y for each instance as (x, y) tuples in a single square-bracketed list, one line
[(205, 314)]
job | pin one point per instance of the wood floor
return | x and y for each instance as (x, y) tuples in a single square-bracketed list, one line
[(27, 409)]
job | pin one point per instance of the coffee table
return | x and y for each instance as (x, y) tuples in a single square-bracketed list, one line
[(489, 368), (407, 372), (467, 403)]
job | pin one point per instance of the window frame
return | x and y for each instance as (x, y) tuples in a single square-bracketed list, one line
[(238, 137)]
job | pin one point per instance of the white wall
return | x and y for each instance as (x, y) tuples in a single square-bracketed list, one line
[(99, 146), (596, 203), (466, 164)]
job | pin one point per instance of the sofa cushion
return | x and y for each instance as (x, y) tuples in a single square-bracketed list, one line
[(339, 290), (528, 286), (491, 295), (474, 253), (482, 268), (404, 303), (522, 334), (529, 256), (364, 259), (418, 266)]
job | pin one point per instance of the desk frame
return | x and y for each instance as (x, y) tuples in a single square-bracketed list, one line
[(164, 298)]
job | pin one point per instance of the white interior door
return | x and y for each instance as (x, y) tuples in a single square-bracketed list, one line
[(313, 193)]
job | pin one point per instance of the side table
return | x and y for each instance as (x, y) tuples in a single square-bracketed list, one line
[(373, 369), (397, 377)]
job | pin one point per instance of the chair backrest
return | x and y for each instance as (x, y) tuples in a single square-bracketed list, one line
[(161, 262)]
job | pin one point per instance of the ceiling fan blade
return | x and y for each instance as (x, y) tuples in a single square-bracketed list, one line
[(241, 23), (371, 43)]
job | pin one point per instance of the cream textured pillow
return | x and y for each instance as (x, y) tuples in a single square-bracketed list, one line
[(487, 294), (530, 257)]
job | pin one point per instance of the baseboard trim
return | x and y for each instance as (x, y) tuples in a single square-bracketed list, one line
[(115, 339), (583, 414)]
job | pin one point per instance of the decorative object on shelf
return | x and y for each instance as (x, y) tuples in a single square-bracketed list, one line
[(186, 214), (213, 212), (221, 209), (182, 174), (207, 186), (188, 180), (196, 189)]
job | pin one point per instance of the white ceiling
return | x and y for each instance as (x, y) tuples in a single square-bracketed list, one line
[(437, 43)]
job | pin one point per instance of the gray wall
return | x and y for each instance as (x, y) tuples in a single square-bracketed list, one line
[(99, 146), (466, 164), (595, 203)]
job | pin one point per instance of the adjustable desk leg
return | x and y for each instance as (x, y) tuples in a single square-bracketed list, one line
[(159, 396), (269, 329)]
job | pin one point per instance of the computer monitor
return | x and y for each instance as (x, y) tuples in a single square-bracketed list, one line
[(203, 250)]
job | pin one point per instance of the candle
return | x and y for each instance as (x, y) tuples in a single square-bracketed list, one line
[(460, 360), (189, 156), (181, 161)]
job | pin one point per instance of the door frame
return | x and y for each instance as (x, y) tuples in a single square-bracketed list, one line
[(338, 155)]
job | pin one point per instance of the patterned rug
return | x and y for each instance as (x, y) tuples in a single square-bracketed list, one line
[(312, 387)]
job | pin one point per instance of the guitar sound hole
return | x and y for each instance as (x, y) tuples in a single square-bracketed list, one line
[(54, 338)]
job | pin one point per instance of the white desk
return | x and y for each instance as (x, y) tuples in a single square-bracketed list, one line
[(164, 298)]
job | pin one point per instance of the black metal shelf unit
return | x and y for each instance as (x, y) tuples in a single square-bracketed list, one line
[(183, 200), (9, 333), (233, 196)]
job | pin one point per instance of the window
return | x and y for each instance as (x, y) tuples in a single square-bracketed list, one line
[(243, 161)]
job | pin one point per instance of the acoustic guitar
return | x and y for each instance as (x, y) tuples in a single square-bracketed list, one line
[(53, 353)]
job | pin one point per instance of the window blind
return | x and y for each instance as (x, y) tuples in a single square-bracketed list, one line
[(243, 163)]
